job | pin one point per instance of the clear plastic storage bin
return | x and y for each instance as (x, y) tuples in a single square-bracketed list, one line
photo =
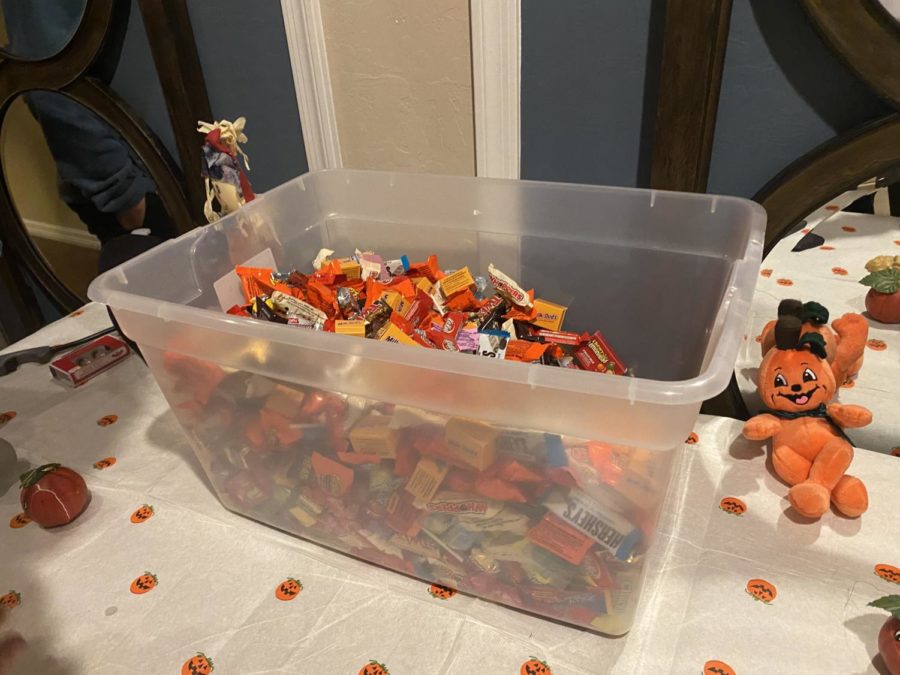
[(532, 486)]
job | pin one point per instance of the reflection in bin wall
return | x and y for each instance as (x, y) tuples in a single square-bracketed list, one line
[(553, 525)]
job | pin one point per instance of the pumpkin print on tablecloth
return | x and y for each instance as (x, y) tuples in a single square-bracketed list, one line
[(11, 600), (200, 664), (105, 463), (106, 420), (840, 271), (848, 228), (374, 668), (832, 208), (288, 589), (765, 273), (146, 582), (895, 452), (888, 573), (826, 248), (142, 514), (733, 505), (762, 590), (848, 384), (717, 668), (876, 345), (7, 417), (441, 592), (784, 282), (77, 312), (534, 666), (19, 520), (692, 439)]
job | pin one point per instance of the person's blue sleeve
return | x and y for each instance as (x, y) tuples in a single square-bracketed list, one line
[(94, 163)]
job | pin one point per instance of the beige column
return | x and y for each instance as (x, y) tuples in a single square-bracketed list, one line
[(402, 83)]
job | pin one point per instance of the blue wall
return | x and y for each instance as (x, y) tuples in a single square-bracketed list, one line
[(589, 76)]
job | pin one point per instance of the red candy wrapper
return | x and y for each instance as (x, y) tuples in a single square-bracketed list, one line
[(596, 354)]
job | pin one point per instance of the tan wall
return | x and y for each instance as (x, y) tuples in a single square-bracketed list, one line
[(31, 171), (402, 81)]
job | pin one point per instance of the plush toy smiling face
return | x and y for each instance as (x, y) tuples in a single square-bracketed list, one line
[(795, 380)]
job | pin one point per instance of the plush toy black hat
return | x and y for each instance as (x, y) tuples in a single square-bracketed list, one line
[(787, 336)]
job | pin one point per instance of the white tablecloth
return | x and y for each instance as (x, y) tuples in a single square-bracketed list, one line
[(830, 275), (217, 571)]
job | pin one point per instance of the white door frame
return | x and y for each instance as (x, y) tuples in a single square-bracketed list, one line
[(496, 74), (496, 85), (312, 82)]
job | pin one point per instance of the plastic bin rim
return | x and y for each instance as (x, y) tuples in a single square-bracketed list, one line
[(712, 379)]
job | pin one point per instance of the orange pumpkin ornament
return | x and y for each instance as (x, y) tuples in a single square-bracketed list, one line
[(142, 514), (288, 589), (374, 668), (105, 463), (534, 666), (809, 449), (7, 417), (762, 590), (11, 600), (144, 583), (876, 345), (106, 420), (200, 664), (441, 592), (733, 505), (717, 668), (19, 520), (888, 572)]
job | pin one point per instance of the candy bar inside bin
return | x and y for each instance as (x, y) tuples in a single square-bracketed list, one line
[(546, 523)]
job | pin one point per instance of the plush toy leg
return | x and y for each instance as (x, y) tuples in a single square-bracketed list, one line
[(850, 496), (812, 496), (791, 467)]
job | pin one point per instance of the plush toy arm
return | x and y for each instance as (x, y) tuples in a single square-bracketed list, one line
[(849, 416), (761, 427), (853, 330)]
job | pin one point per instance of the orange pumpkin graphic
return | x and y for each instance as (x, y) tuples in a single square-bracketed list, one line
[(19, 520), (848, 384), (77, 312), (888, 572), (374, 668), (441, 592), (848, 228), (146, 582), (717, 668), (840, 271), (876, 345), (762, 590), (765, 273), (534, 666), (106, 420), (832, 207), (200, 664), (105, 463), (142, 514), (895, 452), (784, 282), (692, 439), (897, 241), (288, 589), (826, 248), (733, 505), (7, 417), (11, 600)]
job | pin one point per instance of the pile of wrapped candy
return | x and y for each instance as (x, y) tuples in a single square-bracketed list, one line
[(547, 523), (418, 304)]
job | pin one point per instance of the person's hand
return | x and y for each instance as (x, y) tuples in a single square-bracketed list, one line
[(11, 646), (133, 218)]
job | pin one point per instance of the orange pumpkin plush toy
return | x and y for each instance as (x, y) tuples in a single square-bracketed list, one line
[(845, 346), (809, 449)]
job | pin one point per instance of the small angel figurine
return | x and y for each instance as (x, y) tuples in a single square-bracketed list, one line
[(223, 173)]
